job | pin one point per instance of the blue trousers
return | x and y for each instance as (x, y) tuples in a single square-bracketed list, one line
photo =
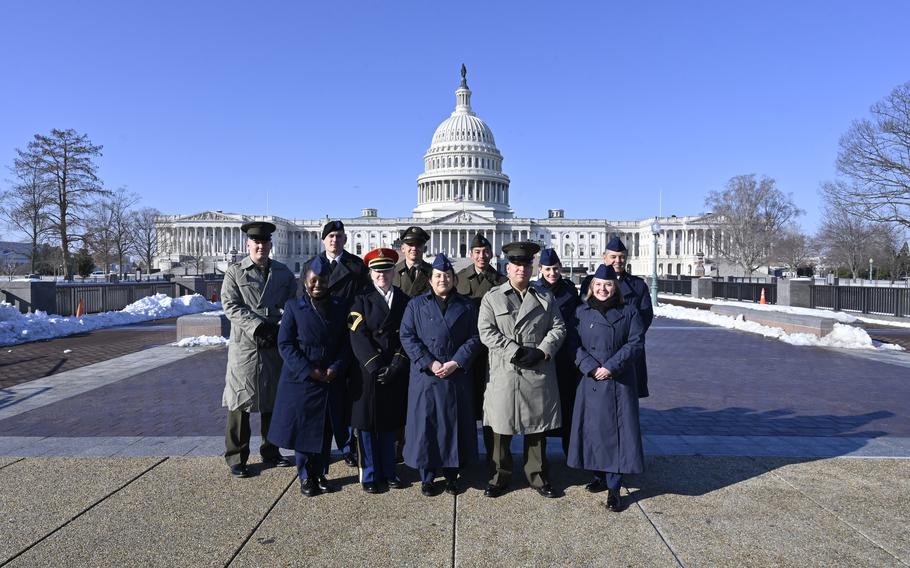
[(376, 455), (428, 475), (612, 480)]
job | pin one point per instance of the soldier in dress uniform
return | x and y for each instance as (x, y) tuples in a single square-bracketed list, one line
[(636, 293), (474, 281), (348, 277), (378, 384), (523, 330), (253, 294), (567, 299), (412, 274)]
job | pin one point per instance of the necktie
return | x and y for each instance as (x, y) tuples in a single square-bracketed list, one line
[(413, 271), (333, 264)]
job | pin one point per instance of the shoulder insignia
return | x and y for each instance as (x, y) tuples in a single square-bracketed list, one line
[(354, 320)]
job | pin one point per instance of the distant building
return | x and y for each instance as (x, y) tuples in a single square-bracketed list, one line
[(462, 191)]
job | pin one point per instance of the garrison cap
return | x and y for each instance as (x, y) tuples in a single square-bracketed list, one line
[(320, 267), (616, 245), (381, 259), (442, 263), (521, 252), (480, 241), (414, 236), (332, 226), (549, 257), (258, 230), (605, 272)]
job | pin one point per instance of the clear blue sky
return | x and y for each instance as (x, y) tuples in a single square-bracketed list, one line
[(330, 106)]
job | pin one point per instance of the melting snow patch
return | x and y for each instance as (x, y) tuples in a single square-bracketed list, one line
[(19, 328), (201, 340), (842, 336)]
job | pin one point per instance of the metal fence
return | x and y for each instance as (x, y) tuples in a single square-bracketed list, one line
[(674, 286), (864, 299), (744, 291), (110, 297)]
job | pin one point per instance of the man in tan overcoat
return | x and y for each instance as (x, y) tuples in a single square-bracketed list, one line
[(253, 295), (522, 328)]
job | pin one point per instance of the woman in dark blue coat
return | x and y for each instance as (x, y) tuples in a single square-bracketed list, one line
[(309, 405), (439, 335), (606, 434), (568, 301)]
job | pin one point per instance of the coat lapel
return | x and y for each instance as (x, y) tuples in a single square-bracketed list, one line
[(339, 273), (453, 312), (529, 306)]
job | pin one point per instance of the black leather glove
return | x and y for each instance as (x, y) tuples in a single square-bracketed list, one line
[(399, 364), (383, 376), (528, 357), (266, 335)]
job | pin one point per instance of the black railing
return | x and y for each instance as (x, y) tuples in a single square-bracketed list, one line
[(863, 299), (110, 297), (745, 291), (675, 286)]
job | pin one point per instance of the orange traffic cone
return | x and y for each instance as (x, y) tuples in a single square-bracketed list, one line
[(762, 300), (80, 309)]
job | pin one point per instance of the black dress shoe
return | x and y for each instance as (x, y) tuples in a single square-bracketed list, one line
[(370, 487), (452, 487), (546, 490), (280, 461), (494, 491), (350, 459), (595, 486), (614, 501), (396, 483), (240, 470), (309, 487), (428, 489), (325, 485)]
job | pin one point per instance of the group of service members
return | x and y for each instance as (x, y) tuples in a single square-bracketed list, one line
[(381, 355)]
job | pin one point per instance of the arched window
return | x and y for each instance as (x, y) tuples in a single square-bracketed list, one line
[(669, 269), (660, 268), (679, 269), (567, 252)]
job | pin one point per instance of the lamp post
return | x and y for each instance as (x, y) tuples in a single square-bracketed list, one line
[(571, 259), (870, 271), (655, 230)]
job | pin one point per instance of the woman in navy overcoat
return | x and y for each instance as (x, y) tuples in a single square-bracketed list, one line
[(309, 405), (439, 335), (606, 435)]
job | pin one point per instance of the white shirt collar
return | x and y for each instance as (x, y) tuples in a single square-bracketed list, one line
[(387, 295)]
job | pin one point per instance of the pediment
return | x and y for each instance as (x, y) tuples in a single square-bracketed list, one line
[(463, 218), (211, 216)]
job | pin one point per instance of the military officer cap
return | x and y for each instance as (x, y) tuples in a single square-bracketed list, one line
[(521, 252), (480, 241), (381, 259), (320, 267), (332, 226), (616, 245), (258, 230), (605, 272), (442, 263), (549, 257), (414, 236)]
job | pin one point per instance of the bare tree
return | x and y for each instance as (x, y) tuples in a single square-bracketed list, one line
[(845, 239), (875, 156), (793, 247), (66, 160), (26, 204), (145, 235), (749, 214), (122, 233)]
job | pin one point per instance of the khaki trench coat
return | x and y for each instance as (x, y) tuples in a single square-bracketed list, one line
[(521, 401), (252, 373)]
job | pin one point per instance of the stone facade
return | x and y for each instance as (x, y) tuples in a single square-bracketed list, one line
[(462, 191)]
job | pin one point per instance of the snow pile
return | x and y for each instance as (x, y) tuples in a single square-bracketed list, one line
[(200, 341), (842, 336), (19, 328)]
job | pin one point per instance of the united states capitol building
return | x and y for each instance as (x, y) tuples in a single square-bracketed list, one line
[(462, 191)]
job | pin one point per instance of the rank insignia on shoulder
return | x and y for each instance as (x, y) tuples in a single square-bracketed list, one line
[(354, 320)]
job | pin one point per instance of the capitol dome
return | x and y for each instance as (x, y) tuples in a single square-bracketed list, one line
[(463, 166)]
